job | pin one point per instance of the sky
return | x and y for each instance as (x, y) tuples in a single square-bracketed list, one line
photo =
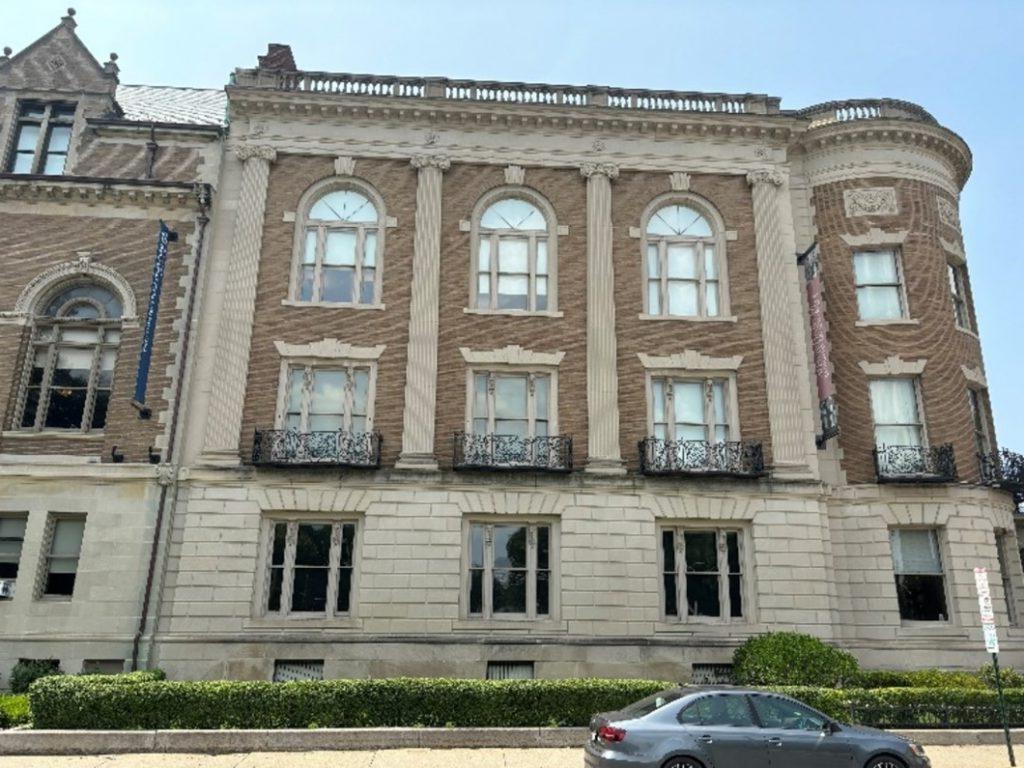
[(962, 61)]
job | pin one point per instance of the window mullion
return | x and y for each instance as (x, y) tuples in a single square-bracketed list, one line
[(488, 571), (723, 575), (682, 605), (531, 405), (318, 262), (333, 565), (490, 402), (709, 410), (288, 571), (531, 278), (531, 571), (47, 382), (494, 269), (90, 389), (357, 280), (348, 403), (41, 141), (670, 409), (307, 396), (701, 280), (663, 275)]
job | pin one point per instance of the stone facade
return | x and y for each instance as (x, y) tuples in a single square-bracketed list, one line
[(182, 562)]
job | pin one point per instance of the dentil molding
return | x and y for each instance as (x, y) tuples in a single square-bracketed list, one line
[(330, 349), (690, 360), (870, 201), (894, 366), (513, 354)]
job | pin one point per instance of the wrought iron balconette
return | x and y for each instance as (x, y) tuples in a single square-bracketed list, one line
[(701, 458), (915, 464), (338, 448), (539, 454), (1004, 469)]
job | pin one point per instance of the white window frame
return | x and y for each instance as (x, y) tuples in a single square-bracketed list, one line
[(957, 273), (534, 198), (531, 524), (922, 422), (940, 543), (303, 224), (1005, 548), (901, 283), (46, 555), (310, 365), (717, 240), (720, 529), (494, 371), (977, 401), (293, 521), (19, 558), (706, 378)]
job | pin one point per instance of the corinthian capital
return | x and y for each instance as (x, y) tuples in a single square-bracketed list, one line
[(442, 162), (246, 151), (600, 169), (771, 176)]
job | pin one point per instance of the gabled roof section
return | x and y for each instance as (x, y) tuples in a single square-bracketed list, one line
[(162, 104), (58, 61)]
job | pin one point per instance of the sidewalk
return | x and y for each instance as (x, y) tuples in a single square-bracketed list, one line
[(942, 757)]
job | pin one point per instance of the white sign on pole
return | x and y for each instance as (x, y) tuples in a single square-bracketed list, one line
[(988, 617)]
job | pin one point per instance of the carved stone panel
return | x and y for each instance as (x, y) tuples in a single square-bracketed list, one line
[(870, 201)]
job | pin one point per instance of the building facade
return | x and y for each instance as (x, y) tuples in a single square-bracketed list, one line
[(493, 379)]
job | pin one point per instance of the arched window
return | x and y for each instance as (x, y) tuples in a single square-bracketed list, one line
[(340, 249), (684, 261), (70, 362), (515, 254)]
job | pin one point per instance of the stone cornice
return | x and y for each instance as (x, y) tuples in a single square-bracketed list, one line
[(95, 191), (511, 355), (690, 360)]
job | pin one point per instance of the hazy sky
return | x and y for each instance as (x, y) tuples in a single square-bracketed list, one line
[(962, 61)]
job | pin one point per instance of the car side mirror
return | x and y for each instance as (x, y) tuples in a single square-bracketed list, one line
[(829, 727)]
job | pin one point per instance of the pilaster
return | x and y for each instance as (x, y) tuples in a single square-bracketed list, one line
[(227, 397), (785, 344), (421, 364), (603, 452)]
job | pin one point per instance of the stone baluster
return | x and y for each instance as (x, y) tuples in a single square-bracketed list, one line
[(604, 454), (421, 363), (227, 397), (790, 407)]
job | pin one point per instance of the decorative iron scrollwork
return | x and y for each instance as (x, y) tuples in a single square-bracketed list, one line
[(915, 463), (549, 454), (700, 457), (1004, 469), (287, 447)]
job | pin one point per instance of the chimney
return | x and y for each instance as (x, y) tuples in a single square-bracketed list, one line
[(279, 57)]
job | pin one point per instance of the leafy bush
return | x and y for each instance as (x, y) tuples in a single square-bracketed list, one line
[(13, 711), (27, 671), (112, 702), (920, 678), (1009, 677), (790, 658)]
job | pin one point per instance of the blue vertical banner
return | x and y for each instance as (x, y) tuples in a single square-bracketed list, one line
[(164, 237)]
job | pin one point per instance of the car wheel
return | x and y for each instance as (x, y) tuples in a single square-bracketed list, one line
[(683, 762), (886, 761)]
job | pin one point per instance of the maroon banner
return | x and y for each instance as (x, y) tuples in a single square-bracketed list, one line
[(819, 343)]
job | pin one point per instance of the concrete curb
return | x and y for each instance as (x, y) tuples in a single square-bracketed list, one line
[(28, 742)]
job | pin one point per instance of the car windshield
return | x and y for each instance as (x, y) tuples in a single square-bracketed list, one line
[(651, 703)]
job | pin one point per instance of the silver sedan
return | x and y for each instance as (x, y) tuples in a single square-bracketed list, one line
[(732, 728)]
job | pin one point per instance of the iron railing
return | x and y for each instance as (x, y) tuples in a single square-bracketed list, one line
[(339, 448), (937, 715), (547, 454), (1004, 469), (700, 457), (915, 464)]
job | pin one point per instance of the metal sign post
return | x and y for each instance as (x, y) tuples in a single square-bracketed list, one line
[(988, 628)]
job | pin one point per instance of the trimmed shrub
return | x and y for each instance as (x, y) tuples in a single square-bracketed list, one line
[(111, 702), (13, 711), (790, 658), (920, 678), (1009, 677), (27, 671)]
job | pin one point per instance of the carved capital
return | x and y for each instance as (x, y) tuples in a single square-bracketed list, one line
[(609, 170), (441, 162), (166, 474), (260, 151), (771, 176)]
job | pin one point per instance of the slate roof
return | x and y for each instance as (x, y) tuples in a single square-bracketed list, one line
[(165, 104)]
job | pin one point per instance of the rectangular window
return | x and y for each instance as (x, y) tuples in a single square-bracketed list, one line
[(42, 138), (329, 399), (958, 293), (920, 583), (879, 285), (894, 406), (288, 671), (702, 573), (518, 404), (980, 421), (62, 560), (512, 271), (102, 666), (1004, 542), (510, 670), (690, 409), (12, 539), (510, 570), (310, 571)]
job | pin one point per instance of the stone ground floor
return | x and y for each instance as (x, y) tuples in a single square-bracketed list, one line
[(942, 757)]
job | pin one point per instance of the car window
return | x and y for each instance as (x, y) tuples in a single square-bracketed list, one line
[(722, 709), (651, 703), (782, 713)]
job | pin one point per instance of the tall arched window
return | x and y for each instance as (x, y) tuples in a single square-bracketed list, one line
[(70, 362), (340, 249), (684, 261), (515, 253)]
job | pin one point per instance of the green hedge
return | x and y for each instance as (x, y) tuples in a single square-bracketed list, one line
[(13, 710), (920, 678), (115, 703)]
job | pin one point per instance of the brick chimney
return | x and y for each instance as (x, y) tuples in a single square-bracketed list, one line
[(278, 57)]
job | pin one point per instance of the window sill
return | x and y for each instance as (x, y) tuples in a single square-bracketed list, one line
[(968, 332), (300, 623), (513, 312), (330, 305), (930, 629), (52, 435), (692, 318), (893, 321), (700, 626), (524, 623), (54, 598)]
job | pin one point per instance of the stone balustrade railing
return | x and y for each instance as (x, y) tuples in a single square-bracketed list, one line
[(865, 109)]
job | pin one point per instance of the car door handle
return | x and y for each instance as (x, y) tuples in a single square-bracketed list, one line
[(775, 741), (705, 739)]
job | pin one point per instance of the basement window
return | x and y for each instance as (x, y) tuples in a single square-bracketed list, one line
[(288, 671), (510, 670)]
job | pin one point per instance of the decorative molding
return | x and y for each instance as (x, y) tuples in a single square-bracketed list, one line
[(679, 181), (83, 266), (975, 376), (690, 360), (953, 248), (513, 354), (329, 349), (609, 170), (441, 162), (63, 191), (870, 201), (948, 213), (894, 366), (344, 166), (259, 151), (876, 236), (515, 174), (771, 176)]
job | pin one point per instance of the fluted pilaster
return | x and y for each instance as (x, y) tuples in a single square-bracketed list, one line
[(782, 327), (421, 364), (604, 455), (227, 397)]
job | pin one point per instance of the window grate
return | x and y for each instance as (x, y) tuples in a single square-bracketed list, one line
[(290, 671), (711, 674), (510, 670)]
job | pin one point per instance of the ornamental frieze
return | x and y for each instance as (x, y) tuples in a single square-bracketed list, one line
[(870, 201)]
